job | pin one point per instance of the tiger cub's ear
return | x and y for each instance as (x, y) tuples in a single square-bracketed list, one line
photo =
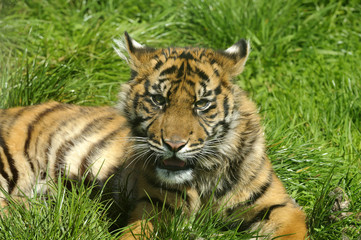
[(234, 58), (138, 54)]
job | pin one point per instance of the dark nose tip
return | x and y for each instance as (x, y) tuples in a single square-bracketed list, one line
[(175, 145)]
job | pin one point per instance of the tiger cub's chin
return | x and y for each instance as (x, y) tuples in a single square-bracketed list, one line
[(174, 170), (174, 176)]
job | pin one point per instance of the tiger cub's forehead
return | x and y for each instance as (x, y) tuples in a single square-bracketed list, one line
[(191, 69)]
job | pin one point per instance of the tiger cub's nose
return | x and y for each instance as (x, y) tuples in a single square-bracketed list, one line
[(174, 145)]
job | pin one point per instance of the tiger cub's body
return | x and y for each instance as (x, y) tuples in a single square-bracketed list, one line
[(40, 142), (181, 126)]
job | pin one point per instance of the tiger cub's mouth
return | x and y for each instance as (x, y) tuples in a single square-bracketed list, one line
[(174, 164), (173, 170)]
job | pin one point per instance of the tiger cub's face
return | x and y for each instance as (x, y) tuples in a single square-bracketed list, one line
[(181, 105)]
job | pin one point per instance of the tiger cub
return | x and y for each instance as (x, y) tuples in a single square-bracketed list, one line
[(182, 133)]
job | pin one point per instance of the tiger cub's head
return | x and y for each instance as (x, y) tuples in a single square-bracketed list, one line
[(181, 105)]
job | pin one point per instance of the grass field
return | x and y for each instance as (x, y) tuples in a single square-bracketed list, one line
[(303, 72)]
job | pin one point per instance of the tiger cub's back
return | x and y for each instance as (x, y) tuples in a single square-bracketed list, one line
[(38, 143)]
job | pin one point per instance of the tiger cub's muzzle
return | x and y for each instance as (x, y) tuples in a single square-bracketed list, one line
[(174, 157)]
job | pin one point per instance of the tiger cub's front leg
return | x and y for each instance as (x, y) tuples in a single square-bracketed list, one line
[(269, 212), (157, 203), (138, 227)]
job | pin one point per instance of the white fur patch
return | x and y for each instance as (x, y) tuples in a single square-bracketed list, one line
[(174, 177), (234, 49), (120, 49), (137, 44)]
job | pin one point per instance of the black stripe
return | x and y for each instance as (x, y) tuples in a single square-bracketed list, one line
[(208, 93), (189, 69), (175, 89), (49, 134), (133, 74), (225, 107), (180, 71), (191, 83), (98, 145), (232, 178), (204, 86), (156, 87), (218, 89), (204, 128), (63, 124), (136, 100), (264, 214), (14, 171), (161, 80), (146, 109), (176, 81), (31, 127), (156, 142), (202, 74), (91, 128), (169, 70), (164, 53), (209, 122), (158, 65), (2, 171), (225, 129), (137, 121), (17, 116), (194, 145), (150, 124), (262, 190), (202, 54), (213, 116), (187, 55), (129, 41), (206, 122), (146, 86), (174, 51)]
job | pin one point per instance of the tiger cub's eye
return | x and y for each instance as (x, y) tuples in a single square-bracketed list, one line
[(202, 104), (158, 99)]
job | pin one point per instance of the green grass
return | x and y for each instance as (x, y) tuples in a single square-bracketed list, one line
[(304, 74), (61, 214)]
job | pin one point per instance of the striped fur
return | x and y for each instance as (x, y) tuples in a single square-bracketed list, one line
[(182, 131)]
